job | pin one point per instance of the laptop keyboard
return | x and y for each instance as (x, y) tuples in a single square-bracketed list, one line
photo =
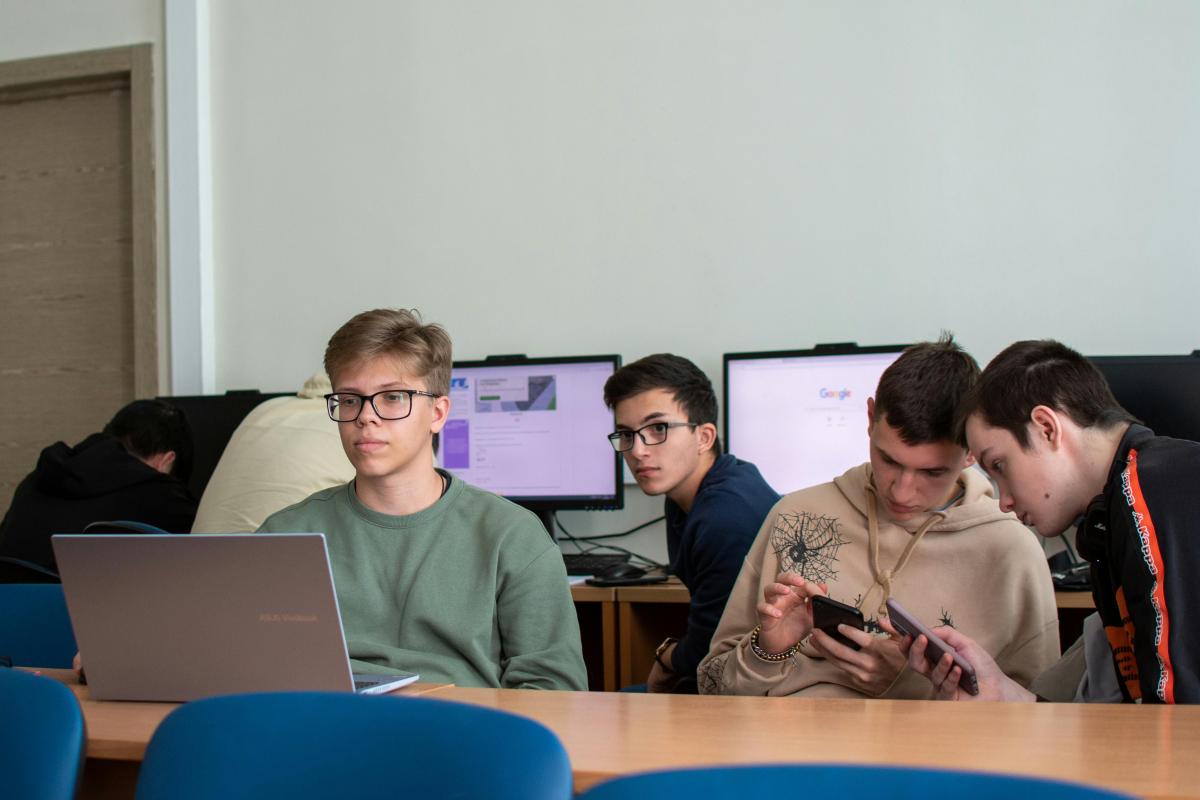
[(591, 563)]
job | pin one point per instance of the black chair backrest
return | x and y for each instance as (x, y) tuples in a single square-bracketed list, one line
[(15, 570)]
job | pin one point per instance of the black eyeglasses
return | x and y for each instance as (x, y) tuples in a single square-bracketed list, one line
[(654, 433), (389, 404)]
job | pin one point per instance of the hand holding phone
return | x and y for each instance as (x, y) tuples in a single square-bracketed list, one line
[(908, 625), (784, 614), (828, 614)]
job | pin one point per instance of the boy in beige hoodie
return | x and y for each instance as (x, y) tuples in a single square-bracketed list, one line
[(915, 523)]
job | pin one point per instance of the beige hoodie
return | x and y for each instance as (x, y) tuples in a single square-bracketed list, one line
[(971, 566)]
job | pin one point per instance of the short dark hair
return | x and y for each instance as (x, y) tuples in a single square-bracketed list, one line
[(1040, 372), (688, 384), (920, 392), (148, 427)]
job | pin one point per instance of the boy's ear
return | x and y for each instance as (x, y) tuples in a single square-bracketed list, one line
[(708, 436), (870, 415), (1046, 426), (161, 462), (441, 413)]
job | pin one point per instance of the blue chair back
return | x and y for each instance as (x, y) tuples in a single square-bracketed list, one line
[(839, 780), (35, 630), (322, 744), (41, 738)]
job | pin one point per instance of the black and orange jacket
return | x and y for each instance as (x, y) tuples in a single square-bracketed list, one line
[(1142, 537)]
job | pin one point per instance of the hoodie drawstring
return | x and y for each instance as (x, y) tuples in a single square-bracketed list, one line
[(883, 578)]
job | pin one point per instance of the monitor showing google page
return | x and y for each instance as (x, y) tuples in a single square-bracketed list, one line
[(801, 415)]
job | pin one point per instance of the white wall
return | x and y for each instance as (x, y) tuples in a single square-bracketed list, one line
[(33, 28), (552, 177), (558, 177)]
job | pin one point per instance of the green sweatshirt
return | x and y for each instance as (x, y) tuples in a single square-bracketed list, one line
[(471, 590)]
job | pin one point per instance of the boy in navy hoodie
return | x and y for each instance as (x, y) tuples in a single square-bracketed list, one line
[(666, 413)]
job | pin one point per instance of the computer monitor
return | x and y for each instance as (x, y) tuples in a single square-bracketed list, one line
[(801, 415), (534, 430), (1161, 391)]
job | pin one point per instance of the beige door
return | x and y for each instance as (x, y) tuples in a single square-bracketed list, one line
[(77, 274)]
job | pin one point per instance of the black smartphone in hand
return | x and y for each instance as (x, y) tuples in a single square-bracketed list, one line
[(828, 614)]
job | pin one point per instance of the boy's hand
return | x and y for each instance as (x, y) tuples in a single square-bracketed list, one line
[(873, 668), (784, 615), (945, 675)]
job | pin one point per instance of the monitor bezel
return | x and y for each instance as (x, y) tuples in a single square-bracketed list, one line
[(816, 351), (565, 502)]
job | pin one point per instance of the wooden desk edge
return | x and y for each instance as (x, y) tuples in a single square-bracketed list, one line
[(670, 592), (1080, 600), (586, 593), (675, 592), (130, 745)]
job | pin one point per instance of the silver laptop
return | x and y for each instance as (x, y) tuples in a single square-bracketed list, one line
[(179, 617)]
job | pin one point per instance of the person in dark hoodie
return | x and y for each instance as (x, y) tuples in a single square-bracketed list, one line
[(666, 413), (133, 470)]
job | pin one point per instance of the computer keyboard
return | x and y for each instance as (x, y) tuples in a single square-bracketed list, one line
[(591, 563)]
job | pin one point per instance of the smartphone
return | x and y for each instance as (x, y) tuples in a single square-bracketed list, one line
[(906, 624), (827, 614)]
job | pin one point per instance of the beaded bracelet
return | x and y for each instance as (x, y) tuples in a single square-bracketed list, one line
[(763, 654)]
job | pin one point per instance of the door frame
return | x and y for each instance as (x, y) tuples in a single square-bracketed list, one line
[(133, 65)]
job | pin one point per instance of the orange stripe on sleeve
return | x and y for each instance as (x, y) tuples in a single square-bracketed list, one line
[(1148, 538)]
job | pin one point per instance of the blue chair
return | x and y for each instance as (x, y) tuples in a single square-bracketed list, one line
[(840, 780), (41, 739), (35, 630), (325, 744)]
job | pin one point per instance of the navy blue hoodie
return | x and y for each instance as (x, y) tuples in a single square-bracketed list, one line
[(706, 547)]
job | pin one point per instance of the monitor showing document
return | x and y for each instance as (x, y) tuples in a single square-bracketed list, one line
[(533, 430)]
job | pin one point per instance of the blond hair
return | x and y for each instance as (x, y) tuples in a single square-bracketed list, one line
[(395, 332)]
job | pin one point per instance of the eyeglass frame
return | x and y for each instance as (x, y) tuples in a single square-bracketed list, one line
[(370, 398), (612, 437)]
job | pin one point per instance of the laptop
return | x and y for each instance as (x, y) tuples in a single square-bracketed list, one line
[(179, 617)]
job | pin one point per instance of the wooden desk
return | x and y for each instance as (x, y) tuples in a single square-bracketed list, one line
[(675, 592), (645, 616), (1075, 600), (596, 607), (648, 614), (1143, 750)]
